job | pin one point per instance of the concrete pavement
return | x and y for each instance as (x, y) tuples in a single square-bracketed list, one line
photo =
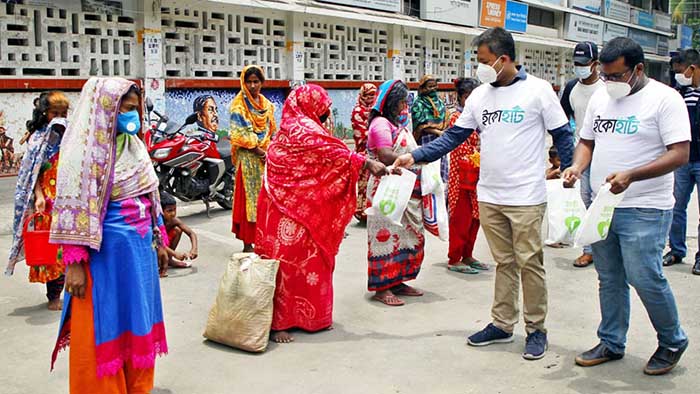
[(418, 348)]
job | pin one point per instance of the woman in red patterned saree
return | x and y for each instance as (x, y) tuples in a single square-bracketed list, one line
[(307, 200)]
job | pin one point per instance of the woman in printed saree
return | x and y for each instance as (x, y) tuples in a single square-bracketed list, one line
[(360, 123), (107, 219), (462, 204), (36, 188), (307, 201), (395, 253), (252, 127), (429, 116)]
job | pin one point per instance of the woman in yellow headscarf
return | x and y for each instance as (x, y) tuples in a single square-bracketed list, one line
[(252, 127)]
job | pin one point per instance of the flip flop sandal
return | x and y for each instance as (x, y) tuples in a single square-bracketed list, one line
[(478, 265), (579, 263), (406, 291), (462, 269), (385, 300)]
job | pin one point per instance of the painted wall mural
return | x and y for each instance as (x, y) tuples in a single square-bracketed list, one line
[(179, 103), (15, 110)]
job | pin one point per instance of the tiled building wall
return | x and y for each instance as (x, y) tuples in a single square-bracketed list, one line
[(218, 41), (67, 39), (70, 38)]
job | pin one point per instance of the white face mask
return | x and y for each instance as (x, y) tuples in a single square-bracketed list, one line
[(486, 73), (582, 72), (683, 80), (617, 90)]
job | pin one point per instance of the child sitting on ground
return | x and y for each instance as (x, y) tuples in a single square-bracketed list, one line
[(553, 172), (175, 227)]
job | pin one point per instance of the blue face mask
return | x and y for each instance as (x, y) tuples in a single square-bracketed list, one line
[(402, 119), (129, 122)]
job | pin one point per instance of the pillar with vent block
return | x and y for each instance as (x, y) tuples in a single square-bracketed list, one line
[(295, 48), (395, 54), (152, 39)]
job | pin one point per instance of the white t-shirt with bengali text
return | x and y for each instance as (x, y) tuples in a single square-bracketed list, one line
[(579, 98), (634, 131), (512, 121)]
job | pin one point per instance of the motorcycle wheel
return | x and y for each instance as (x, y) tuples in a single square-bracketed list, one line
[(227, 191)]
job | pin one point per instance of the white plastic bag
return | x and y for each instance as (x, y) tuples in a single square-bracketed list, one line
[(392, 196), (565, 211), (242, 313), (596, 223), (430, 179)]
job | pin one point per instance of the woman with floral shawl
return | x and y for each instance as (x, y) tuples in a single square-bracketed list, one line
[(429, 116), (107, 219), (395, 253), (252, 127), (306, 203), (462, 204), (360, 119), (36, 188)]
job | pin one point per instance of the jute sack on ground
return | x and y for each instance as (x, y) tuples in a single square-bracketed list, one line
[(242, 313)]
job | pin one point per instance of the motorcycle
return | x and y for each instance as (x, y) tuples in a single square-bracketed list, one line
[(191, 164)]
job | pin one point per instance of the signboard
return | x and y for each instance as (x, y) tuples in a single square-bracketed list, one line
[(616, 9), (458, 12), (686, 36), (516, 16), (645, 39), (586, 5), (611, 31), (580, 28), (662, 46), (642, 18), (493, 13), (662, 21), (383, 5)]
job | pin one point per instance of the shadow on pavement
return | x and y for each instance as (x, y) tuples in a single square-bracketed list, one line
[(613, 377), (37, 315)]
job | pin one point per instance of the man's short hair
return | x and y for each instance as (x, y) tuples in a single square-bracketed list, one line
[(690, 57), (498, 40), (623, 47)]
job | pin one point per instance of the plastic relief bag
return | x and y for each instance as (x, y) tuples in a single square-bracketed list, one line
[(596, 223), (565, 211), (392, 196), (242, 313), (430, 179), (435, 217), (434, 207)]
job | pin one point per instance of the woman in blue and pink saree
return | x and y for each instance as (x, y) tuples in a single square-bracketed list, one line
[(107, 218)]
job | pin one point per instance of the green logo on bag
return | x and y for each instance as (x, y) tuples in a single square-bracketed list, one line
[(386, 207), (572, 223), (603, 228)]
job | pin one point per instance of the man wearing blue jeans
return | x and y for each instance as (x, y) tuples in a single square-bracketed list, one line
[(575, 99), (635, 134), (688, 176)]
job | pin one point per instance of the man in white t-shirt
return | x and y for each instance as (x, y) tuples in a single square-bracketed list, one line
[(635, 134), (577, 94), (512, 111)]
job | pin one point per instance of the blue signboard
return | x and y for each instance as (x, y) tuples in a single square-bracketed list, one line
[(645, 39), (686, 37), (516, 16), (646, 19)]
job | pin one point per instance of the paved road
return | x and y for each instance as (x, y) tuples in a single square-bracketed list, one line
[(419, 348)]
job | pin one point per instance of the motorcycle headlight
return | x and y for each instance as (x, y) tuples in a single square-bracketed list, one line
[(161, 153)]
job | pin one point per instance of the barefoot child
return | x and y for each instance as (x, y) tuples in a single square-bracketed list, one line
[(175, 227), (553, 172)]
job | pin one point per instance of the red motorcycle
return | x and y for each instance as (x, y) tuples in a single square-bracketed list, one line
[(191, 163)]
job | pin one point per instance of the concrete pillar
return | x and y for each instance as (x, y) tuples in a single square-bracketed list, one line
[(295, 48), (154, 73), (427, 53), (395, 54)]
